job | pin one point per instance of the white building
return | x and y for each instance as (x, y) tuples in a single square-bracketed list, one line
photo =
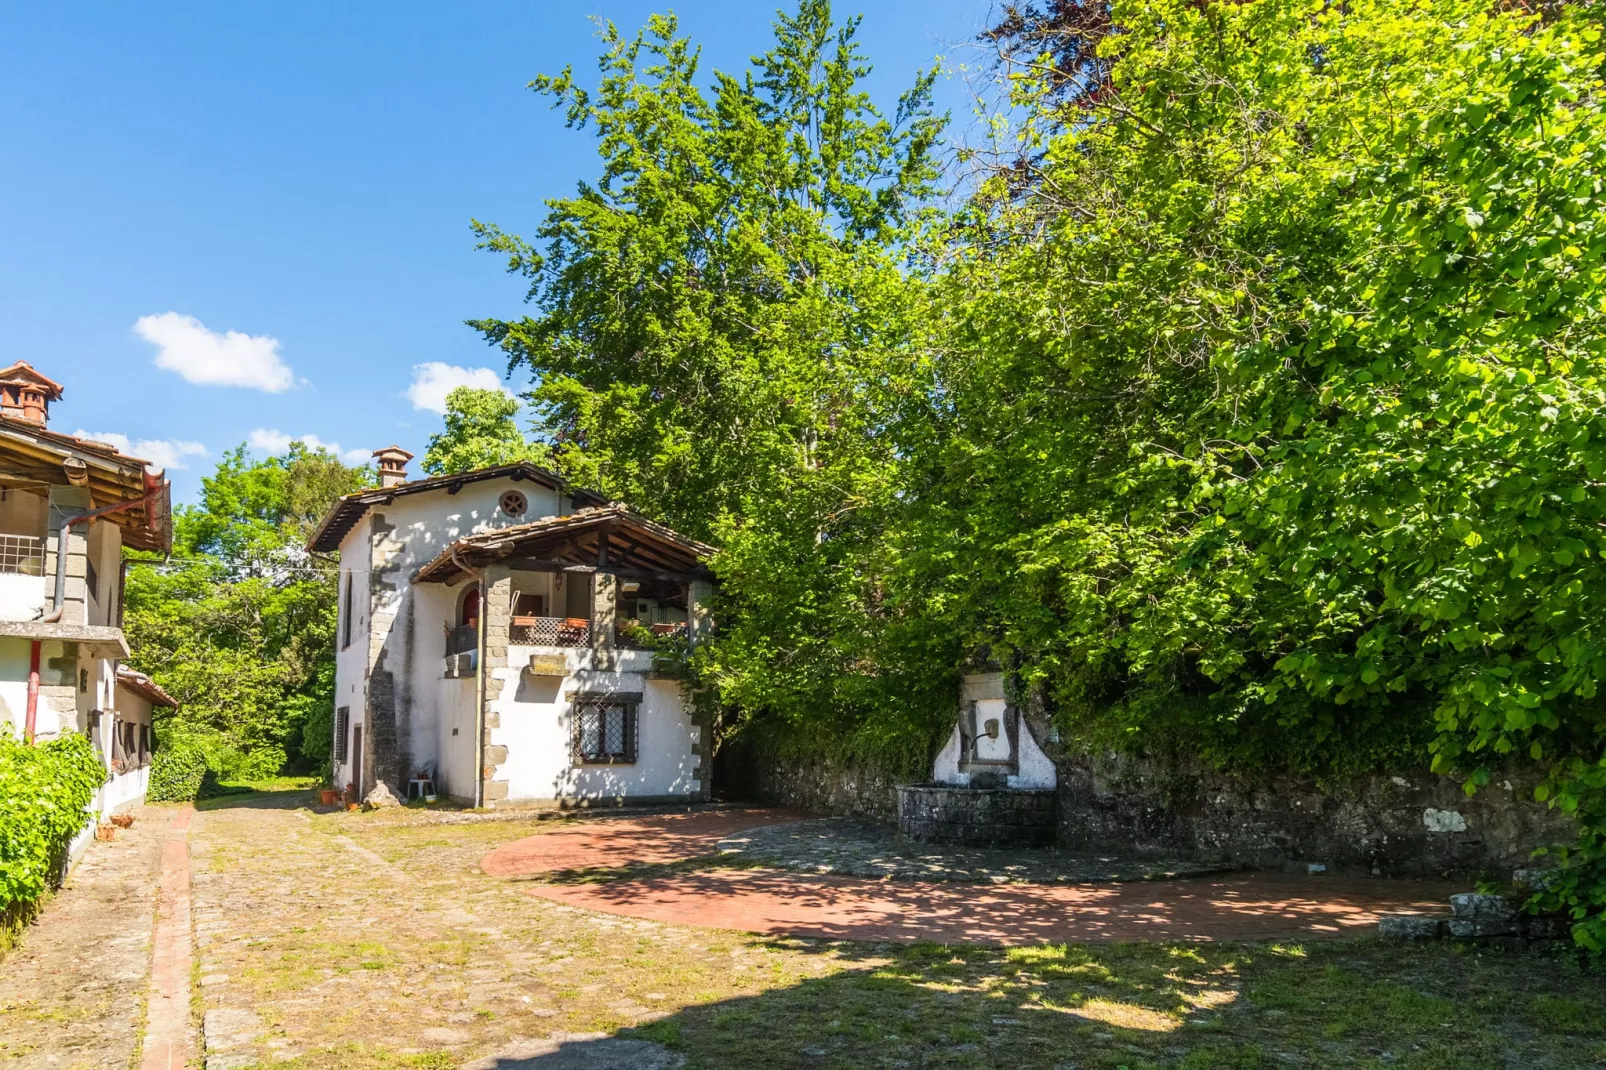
[(68, 506), (493, 635)]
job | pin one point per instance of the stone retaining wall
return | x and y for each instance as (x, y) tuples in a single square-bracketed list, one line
[(976, 817), (1421, 825)]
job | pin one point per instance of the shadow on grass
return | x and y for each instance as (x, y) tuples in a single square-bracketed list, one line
[(270, 795), (1359, 1003)]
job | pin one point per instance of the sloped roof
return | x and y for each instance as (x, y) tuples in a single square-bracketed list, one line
[(144, 687), (608, 536), (350, 509), (23, 372), (33, 454)]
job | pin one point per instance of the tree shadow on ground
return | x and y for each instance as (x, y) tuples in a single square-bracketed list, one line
[(1335, 1003), (287, 798)]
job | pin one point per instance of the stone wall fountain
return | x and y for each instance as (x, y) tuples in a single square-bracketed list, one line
[(991, 784)]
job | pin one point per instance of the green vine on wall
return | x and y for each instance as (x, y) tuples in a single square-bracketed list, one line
[(45, 792)]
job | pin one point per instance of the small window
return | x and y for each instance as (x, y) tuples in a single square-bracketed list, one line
[(345, 615), (342, 730), (514, 503), (605, 730)]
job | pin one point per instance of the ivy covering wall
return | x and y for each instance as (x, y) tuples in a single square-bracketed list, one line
[(45, 792)]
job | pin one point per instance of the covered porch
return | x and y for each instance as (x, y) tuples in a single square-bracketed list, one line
[(602, 579)]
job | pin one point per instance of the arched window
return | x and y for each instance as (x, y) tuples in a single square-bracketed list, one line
[(468, 613)]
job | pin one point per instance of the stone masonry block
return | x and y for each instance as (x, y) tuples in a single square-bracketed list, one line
[(1412, 927)]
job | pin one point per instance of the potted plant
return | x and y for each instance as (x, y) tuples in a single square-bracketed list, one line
[(328, 796)]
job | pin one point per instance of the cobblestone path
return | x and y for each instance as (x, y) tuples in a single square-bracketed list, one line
[(952, 909), (851, 848), (73, 994)]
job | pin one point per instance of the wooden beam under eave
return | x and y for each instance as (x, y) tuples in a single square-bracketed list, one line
[(547, 564)]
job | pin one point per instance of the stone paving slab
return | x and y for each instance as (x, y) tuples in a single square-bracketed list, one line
[(72, 995), (859, 849), (627, 841), (1251, 906)]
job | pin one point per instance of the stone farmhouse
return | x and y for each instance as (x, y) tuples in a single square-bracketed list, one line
[(502, 640), (68, 506)]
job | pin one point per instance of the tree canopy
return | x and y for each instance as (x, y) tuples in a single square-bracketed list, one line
[(1249, 403), (481, 431), (239, 625)]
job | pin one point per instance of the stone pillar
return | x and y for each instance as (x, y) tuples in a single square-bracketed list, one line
[(604, 613), (496, 614), (66, 503), (699, 594)]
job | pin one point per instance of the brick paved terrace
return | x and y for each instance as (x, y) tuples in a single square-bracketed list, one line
[(417, 939)]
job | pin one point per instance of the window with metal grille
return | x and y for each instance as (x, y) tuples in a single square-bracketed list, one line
[(605, 729), (342, 731)]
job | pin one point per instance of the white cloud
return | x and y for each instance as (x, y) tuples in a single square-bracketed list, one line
[(163, 453), (208, 358), (434, 380), (272, 440)]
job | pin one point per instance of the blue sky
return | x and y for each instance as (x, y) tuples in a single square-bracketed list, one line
[(273, 200)]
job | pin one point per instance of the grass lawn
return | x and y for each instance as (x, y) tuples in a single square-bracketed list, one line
[(372, 940)]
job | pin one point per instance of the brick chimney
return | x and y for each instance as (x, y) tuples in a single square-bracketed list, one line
[(392, 465), (26, 395)]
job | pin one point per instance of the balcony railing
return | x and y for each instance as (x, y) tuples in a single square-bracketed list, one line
[(550, 631), (22, 555), (631, 635), (462, 640)]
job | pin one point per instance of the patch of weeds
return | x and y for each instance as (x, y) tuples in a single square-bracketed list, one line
[(1568, 1015)]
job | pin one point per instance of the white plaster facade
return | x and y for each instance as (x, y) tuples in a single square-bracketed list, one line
[(489, 729), (1033, 768), (74, 503)]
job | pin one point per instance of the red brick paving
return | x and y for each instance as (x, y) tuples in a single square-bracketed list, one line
[(1251, 906), (168, 1043), (626, 841)]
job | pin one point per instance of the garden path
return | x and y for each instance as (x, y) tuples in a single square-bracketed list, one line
[(72, 994)]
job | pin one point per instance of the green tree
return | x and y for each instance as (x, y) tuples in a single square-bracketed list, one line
[(1275, 425), (239, 625), (481, 431), (726, 321)]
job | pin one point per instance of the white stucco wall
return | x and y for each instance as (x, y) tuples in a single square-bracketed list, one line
[(407, 622), (1036, 770), (536, 727), (351, 661)]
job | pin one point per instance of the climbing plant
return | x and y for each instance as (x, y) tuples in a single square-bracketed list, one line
[(45, 792)]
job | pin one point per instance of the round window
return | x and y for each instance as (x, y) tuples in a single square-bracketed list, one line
[(514, 503)]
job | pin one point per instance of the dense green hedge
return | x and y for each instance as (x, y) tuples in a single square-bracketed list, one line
[(176, 772), (45, 792)]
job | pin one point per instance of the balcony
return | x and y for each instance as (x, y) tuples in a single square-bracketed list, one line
[(550, 631), (462, 651), (634, 635)]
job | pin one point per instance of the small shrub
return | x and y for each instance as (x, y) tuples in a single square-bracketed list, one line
[(45, 793)]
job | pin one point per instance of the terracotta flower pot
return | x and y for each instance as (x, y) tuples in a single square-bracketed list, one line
[(328, 796)]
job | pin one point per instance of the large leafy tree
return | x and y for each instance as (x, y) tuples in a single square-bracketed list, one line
[(1276, 395), (725, 323), (481, 431), (239, 624)]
